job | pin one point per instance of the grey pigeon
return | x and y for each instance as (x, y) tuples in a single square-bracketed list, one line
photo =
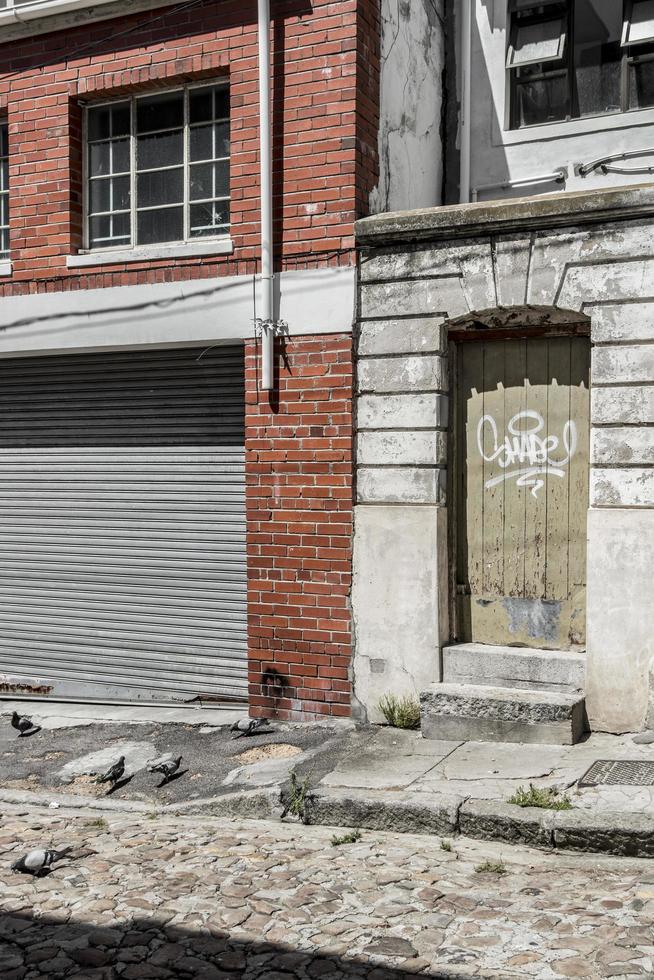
[(36, 862), (166, 766), (114, 773), (250, 726), (23, 724)]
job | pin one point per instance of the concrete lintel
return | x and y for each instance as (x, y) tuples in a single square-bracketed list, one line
[(518, 214)]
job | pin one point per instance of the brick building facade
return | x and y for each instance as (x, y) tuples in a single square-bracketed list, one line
[(174, 530)]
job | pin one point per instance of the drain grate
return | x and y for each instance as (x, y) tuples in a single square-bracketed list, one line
[(619, 772)]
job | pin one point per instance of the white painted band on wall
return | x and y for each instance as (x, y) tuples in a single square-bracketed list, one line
[(314, 301)]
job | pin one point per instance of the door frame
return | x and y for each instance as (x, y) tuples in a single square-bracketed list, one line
[(504, 323)]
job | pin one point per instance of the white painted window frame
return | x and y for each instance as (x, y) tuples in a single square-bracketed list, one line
[(198, 246), (14, 13), (626, 26), (4, 192)]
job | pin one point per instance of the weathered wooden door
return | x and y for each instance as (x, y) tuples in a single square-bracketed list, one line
[(521, 474)]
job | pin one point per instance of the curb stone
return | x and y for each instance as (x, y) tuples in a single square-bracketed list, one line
[(425, 814), (610, 832), (625, 834), (492, 820)]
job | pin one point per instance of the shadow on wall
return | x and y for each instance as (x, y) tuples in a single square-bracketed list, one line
[(150, 948), (485, 113)]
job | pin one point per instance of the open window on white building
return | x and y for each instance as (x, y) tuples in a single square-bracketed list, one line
[(158, 168), (580, 58)]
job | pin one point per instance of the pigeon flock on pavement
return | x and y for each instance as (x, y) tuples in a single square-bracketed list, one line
[(40, 861)]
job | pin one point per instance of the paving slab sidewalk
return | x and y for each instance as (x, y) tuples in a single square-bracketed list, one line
[(358, 776), (388, 777)]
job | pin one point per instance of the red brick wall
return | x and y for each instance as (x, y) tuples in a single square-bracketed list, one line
[(323, 144), (299, 529)]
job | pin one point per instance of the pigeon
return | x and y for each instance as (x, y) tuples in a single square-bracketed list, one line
[(37, 862), (250, 726), (114, 773), (23, 724), (166, 766)]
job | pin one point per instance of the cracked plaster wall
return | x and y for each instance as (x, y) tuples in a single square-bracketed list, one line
[(407, 295), (410, 146)]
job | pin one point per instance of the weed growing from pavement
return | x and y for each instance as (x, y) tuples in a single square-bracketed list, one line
[(351, 838), (98, 824), (401, 712), (545, 798), (491, 867), (296, 804), (446, 845)]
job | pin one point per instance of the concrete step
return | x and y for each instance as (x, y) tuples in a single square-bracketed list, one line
[(478, 713), (515, 667)]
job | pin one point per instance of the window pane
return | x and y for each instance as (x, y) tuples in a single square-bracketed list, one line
[(120, 162), (160, 112), (160, 187), (160, 226), (540, 99), (108, 158), (160, 150), (536, 42), (4, 148), (202, 182), (109, 230), (222, 102), (641, 28), (107, 121), (4, 241), (201, 143), (4, 175), (641, 83), (111, 194), (99, 159), (222, 139), (597, 56), (209, 219), (4, 209), (201, 104)]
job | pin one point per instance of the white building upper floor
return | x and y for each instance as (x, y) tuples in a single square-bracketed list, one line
[(559, 95)]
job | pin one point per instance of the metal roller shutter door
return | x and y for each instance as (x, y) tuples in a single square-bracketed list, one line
[(122, 525)]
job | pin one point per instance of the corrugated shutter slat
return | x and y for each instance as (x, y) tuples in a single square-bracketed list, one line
[(122, 524)]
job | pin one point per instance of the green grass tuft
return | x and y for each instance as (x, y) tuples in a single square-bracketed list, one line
[(491, 867), (545, 798), (297, 797), (401, 712), (98, 824), (351, 838), (446, 845)]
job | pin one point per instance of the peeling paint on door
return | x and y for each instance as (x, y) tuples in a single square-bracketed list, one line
[(522, 436)]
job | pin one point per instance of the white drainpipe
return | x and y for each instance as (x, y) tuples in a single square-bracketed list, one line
[(265, 152), (466, 44)]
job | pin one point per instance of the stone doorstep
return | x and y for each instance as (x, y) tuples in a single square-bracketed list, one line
[(514, 667), (478, 713)]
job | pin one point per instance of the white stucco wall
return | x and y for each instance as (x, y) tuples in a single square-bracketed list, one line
[(592, 265), (501, 154), (410, 148)]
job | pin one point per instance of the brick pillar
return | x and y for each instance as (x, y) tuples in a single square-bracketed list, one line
[(299, 528)]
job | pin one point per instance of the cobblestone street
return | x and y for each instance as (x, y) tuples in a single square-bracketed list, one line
[(159, 898)]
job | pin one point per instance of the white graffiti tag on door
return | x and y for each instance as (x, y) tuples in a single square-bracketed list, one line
[(524, 447)]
